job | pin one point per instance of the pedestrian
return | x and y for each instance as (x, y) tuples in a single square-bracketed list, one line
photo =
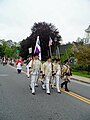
[(4, 61), (12, 61), (47, 73), (35, 71), (19, 64), (66, 73)]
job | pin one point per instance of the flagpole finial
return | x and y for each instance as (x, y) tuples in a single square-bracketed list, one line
[(37, 37)]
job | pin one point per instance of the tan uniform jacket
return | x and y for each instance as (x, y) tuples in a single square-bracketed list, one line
[(66, 72), (36, 66), (58, 70), (55, 67), (47, 68)]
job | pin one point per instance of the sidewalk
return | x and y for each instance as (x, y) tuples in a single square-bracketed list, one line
[(81, 79)]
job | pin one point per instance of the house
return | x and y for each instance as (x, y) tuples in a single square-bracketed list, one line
[(87, 35)]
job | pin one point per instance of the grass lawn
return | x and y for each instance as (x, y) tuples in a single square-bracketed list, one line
[(81, 73)]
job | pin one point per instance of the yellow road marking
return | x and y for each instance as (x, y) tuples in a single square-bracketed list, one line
[(69, 93), (78, 96), (24, 72), (75, 95)]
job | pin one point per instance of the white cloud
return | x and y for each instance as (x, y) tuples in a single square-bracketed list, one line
[(17, 17)]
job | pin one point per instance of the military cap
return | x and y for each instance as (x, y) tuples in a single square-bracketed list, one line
[(35, 54), (66, 61), (48, 57)]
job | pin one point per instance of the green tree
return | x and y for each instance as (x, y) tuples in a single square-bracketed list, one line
[(83, 55), (3, 45), (67, 52), (44, 31), (8, 48)]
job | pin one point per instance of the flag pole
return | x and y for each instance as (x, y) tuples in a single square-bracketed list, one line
[(50, 43), (67, 54), (58, 51), (50, 50)]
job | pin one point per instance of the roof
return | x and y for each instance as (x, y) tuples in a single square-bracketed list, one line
[(88, 29)]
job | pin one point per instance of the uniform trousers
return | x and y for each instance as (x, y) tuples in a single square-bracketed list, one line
[(27, 68), (53, 81), (58, 82), (34, 78), (46, 84)]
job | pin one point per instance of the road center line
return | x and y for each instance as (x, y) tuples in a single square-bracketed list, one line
[(78, 96)]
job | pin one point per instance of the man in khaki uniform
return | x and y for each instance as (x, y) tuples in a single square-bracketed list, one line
[(47, 72), (35, 70), (58, 75), (66, 73), (28, 66), (53, 81), (30, 70)]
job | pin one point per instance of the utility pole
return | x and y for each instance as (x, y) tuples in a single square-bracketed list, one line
[(67, 54), (50, 50)]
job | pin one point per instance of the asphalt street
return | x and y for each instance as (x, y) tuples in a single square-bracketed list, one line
[(17, 102)]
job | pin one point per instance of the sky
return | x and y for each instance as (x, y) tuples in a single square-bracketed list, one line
[(17, 17)]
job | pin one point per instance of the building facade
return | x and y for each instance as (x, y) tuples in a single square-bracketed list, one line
[(87, 36)]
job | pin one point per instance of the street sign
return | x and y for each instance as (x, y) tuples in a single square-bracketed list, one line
[(17, 51), (30, 50)]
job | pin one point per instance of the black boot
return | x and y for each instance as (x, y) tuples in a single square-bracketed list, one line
[(66, 89), (62, 84)]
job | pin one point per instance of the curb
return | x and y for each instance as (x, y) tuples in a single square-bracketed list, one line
[(80, 80)]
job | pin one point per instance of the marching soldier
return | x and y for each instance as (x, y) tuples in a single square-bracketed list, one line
[(53, 81), (30, 69), (66, 73), (58, 75), (35, 70), (27, 66), (47, 73)]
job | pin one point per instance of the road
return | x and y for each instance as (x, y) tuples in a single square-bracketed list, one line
[(17, 102)]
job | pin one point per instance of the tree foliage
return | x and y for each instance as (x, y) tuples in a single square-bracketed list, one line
[(66, 53), (8, 48), (83, 55), (44, 31)]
